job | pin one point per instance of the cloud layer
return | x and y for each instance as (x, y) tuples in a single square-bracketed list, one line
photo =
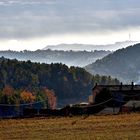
[(32, 18)]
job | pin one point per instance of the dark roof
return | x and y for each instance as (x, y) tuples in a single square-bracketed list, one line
[(118, 87)]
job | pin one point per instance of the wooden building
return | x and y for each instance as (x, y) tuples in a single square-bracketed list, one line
[(120, 94)]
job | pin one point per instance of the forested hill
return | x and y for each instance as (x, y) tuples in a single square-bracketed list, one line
[(67, 83), (70, 58), (123, 64)]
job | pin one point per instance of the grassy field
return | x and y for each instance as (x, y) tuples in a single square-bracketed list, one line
[(117, 127)]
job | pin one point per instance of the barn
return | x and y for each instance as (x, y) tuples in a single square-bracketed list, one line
[(120, 94)]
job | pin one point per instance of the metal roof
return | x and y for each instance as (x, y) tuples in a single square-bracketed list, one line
[(132, 103)]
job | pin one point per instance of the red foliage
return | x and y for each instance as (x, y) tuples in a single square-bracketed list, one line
[(51, 98), (8, 90)]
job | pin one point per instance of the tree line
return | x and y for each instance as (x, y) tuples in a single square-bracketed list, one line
[(27, 82)]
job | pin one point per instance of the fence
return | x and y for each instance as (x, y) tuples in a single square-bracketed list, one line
[(17, 110)]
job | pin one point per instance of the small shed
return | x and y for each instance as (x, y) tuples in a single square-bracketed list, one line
[(131, 106), (109, 111), (81, 104)]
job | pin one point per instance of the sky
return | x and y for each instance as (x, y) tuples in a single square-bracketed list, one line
[(34, 24)]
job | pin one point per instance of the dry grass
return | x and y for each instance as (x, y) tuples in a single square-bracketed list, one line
[(117, 127)]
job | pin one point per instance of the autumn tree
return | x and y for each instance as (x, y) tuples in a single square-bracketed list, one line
[(27, 97), (8, 90), (51, 98), (8, 95)]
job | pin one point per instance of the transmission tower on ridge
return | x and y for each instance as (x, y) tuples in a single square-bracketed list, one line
[(129, 37)]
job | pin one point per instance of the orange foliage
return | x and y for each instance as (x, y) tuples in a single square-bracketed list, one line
[(51, 98), (27, 97), (8, 90)]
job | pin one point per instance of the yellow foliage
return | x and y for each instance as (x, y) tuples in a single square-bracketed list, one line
[(27, 96)]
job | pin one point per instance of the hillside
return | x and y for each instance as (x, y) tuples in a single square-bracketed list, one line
[(123, 64), (70, 58), (70, 84)]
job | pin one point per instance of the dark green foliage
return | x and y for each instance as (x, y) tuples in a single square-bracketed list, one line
[(73, 82)]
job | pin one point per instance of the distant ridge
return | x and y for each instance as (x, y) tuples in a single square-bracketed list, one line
[(70, 58), (89, 47)]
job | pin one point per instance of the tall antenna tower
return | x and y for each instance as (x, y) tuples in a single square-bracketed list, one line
[(129, 37)]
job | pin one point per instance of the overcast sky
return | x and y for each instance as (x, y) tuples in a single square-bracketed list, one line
[(33, 24)]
